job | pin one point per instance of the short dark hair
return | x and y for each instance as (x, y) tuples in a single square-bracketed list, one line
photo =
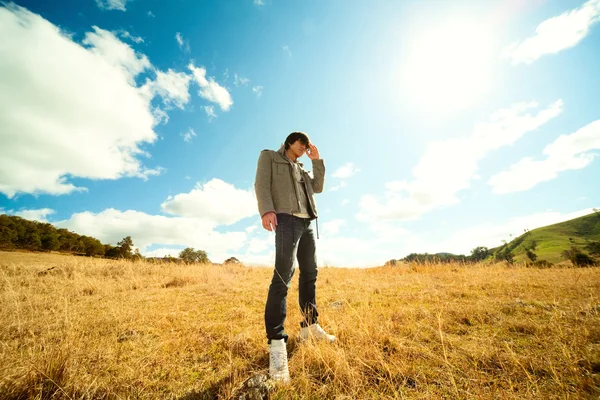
[(294, 136)]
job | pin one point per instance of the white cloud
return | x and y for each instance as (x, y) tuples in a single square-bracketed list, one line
[(391, 241), (55, 121), (332, 250), (238, 80), (164, 252), (211, 90), (150, 14), (146, 173), (126, 35), (344, 251), (346, 171), (210, 112), (332, 227), (184, 44), (188, 135), (260, 245), (118, 54), (396, 186), (168, 235), (171, 234), (35, 215), (567, 152), (160, 116), (259, 2), (344, 202), (448, 166), (252, 259), (342, 184), (556, 34), (335, 249), (216, 201), (388, 231), (286, 50), (492, 235), (172, 86), (198, 213), (110, 226), (257, 90), (112, 4)]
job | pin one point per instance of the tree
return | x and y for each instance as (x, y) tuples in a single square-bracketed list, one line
[(190, 255), (67, 241), (593, 248), (93, 247), (531, 255), (504, 254), (31, 240), (111, 252), (20, 233), (125, 246), (583, 260), (50, 241), (577, 257), (479, 253), (530, 251), (507, 256), (8, 235)]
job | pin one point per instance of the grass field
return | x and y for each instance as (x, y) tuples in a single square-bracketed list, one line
[(93, 328)]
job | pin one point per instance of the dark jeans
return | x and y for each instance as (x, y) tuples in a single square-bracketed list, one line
[(293, 237)]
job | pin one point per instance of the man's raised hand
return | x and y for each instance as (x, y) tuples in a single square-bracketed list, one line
[(313, 152)]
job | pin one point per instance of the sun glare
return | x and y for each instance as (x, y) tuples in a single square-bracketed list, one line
[(448, 67)]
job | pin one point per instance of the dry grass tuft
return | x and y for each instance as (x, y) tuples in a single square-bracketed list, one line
[(81, 328), (179, 281)]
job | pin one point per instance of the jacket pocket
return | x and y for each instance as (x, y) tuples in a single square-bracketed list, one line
[(281, 166), (282, 169)]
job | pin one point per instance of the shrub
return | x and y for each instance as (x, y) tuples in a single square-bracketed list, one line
[(583, 260), (593, 248), (542, 264), (578, 257), (190, 255)]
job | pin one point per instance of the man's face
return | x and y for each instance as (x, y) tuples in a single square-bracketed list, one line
[(298, 148)]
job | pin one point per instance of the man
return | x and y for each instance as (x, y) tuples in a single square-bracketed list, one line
[(285, 195)]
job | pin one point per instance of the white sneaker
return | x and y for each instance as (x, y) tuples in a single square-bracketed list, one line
[(316, 332), (278, 362)]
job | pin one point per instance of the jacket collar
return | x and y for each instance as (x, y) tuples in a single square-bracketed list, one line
[(281, 152)]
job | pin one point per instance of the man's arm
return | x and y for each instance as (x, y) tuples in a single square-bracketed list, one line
[(318, 179), (318, 169), (262, 184)]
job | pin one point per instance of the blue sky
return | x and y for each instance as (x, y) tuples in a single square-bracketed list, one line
[(444, 125)]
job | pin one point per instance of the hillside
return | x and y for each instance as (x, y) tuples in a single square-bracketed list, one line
[(552, 240)]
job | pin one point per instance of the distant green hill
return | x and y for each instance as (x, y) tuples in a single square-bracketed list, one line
[(551, 240)]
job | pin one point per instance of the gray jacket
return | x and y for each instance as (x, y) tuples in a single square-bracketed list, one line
[(275, 186)]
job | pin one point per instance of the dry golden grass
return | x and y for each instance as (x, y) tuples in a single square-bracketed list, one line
[(92, 328)]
